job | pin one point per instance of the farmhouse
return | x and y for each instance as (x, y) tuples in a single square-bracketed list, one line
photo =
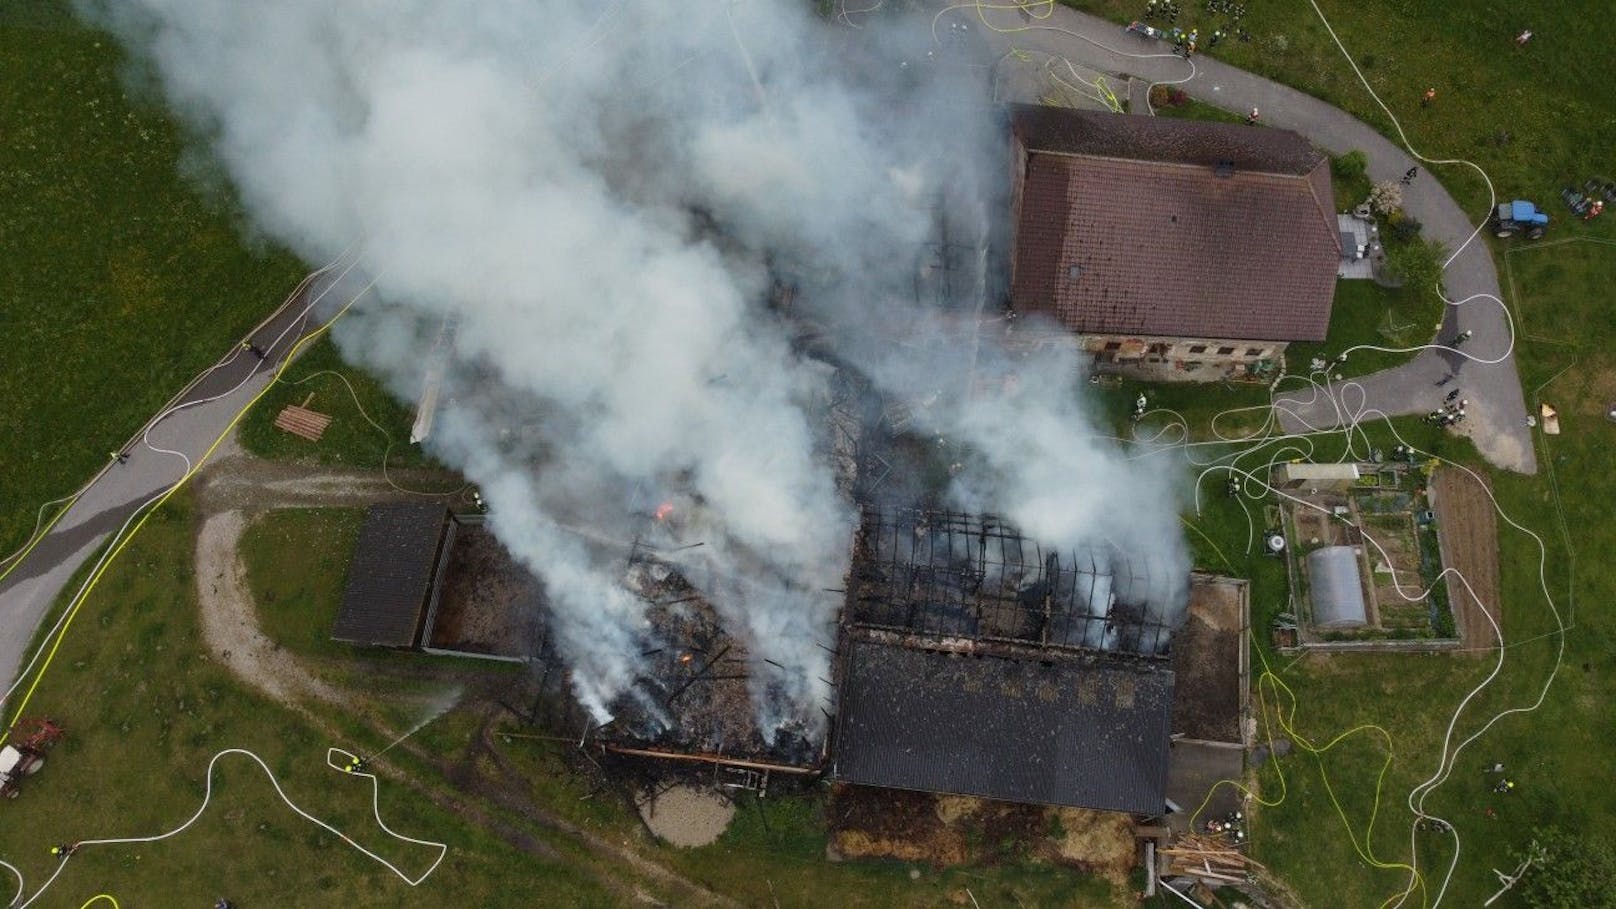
[(1168, 249)]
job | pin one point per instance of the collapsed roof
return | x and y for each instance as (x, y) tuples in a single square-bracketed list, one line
[(951, 574)]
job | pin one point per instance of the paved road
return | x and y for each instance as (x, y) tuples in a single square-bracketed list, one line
[(190, 424), (1497, 408)]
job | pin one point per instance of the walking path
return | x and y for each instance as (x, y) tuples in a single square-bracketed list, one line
[(157, 457), (230, 494), (1497, 411)]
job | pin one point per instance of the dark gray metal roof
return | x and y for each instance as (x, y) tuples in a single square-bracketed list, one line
[(390, 575), (1062, 730)]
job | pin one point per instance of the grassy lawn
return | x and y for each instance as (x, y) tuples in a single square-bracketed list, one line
[(1364, 313), (146, 709), (1192, 109), (1555, 753), (1486, 88), (297, 563), (1182, 406), (348, 396), (1550, 97), (1559, 293), (124, 277)]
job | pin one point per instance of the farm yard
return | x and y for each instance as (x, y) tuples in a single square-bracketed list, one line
[(1345, 735)]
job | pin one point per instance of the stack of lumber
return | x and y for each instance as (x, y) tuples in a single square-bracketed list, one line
[(1213, 858), (298, 420)]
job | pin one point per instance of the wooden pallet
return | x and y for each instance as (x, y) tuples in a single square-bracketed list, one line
[(298, 420)]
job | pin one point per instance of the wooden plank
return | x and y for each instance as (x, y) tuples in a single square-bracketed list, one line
[(293, 413), (301, 425), (301, 422), (304, 422)]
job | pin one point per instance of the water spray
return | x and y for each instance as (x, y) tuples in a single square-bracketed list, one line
[(443, 706)]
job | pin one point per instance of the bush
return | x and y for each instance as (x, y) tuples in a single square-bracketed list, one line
[(1568, 869), (1350, 166), (1416, 266), (1385, 198), (1167, 96), (1405, 229)]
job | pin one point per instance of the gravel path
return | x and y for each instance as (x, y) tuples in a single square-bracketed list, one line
[(229, 494), (230, 621)]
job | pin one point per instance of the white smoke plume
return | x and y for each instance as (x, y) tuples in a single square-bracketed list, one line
[(600, 196)]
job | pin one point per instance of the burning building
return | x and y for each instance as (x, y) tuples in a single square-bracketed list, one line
[(694, 701), (580, 320), (978, 662)]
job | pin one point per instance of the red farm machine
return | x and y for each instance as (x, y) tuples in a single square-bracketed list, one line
[(24, 752)]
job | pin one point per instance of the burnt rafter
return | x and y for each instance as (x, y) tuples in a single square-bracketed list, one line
[(951, 574)]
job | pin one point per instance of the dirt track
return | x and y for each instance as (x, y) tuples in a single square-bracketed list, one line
[(1468, 527), (229, 495), (230, 622)]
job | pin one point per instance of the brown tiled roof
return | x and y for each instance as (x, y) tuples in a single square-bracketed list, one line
[(1109, 246), (1270, 151)]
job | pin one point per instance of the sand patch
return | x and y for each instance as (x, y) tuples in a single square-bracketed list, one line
[(687, 816)]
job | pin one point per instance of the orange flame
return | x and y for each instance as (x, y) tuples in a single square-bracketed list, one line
[(685, 657), (663, 510)]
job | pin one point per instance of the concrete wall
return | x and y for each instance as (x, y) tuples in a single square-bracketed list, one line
[(1163, 359)]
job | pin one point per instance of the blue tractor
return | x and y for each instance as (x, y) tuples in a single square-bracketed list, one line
[(1519, 217)]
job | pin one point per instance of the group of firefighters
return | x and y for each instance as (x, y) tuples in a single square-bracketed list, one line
[(1450, 412), (1233, 824), (1184, 41)]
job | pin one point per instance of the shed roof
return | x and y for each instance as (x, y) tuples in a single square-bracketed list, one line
[(1138, 226), (390, 575), (1053, 730), (1309, 471), (1335, 587), (1075, 132)]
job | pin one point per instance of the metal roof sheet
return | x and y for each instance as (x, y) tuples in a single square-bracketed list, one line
[(1057, 730), (390, 575)]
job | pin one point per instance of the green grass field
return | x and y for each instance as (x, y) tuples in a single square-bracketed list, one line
[(1555, 753), (351, 398), (146, 709), (296, 561), (1551, 97), (125, 277), (132, 278), (1365, 313)]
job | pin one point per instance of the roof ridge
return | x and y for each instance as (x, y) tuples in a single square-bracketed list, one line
[(1147, 162)]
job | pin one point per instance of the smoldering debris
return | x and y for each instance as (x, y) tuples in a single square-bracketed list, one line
[(606, 199), (944, 574)]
